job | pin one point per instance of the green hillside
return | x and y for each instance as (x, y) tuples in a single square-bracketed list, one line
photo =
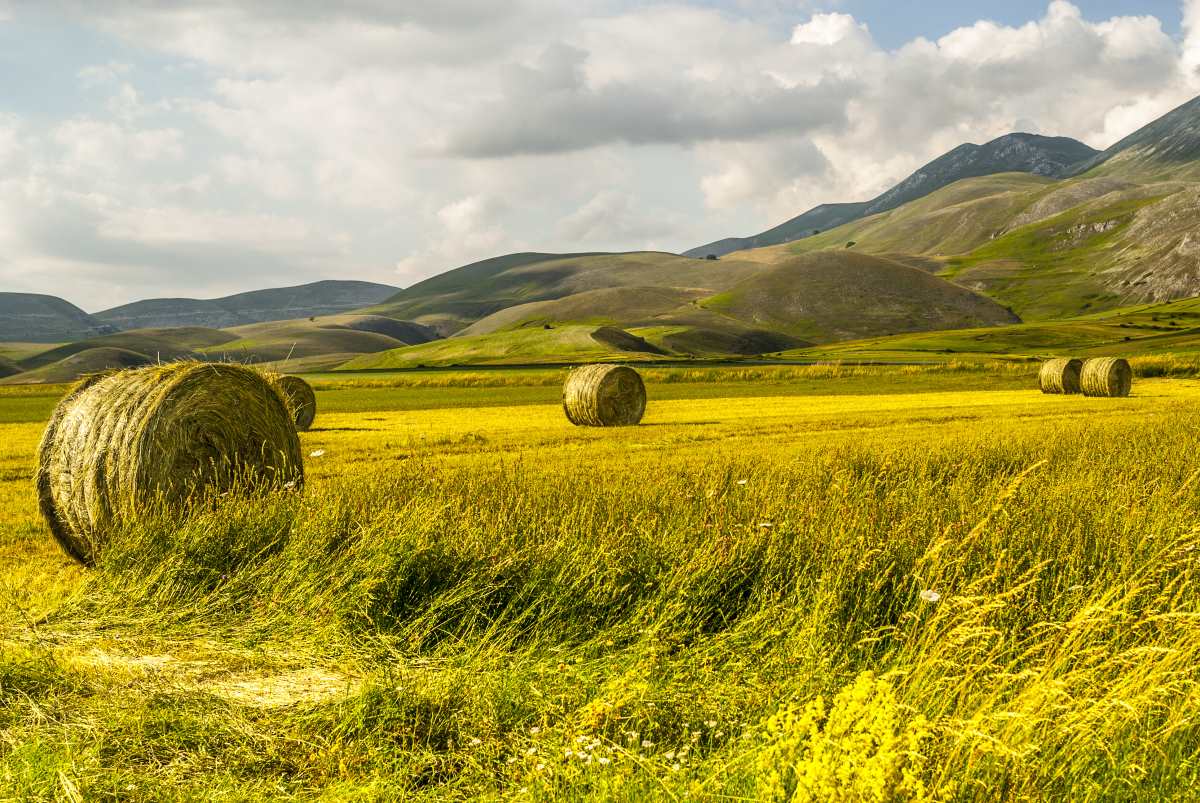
[(73, 366), (346, 335), (453, 301), (155, 344), (839, 295), (578, 343), (1151, 329)]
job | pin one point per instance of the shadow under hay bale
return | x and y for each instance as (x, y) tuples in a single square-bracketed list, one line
[(604, 396), (123, 444), (1060, 375), (1106, 376), (300, 399)]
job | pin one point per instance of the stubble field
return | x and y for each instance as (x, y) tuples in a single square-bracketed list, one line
[(923, 583)]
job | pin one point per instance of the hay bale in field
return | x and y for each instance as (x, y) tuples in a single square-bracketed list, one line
[(1106, 376), (1060, 376), (300, 399), (163, 436), (604, 396)]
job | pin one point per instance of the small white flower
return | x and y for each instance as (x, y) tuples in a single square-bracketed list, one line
[(743, 482), (604, 760), (531, 751), (669, 755), (675, 768), (929, 595), (476, 741), (646, 743), (766, 525), (317, 453), (710, 723), (541, 766), (535, 730)]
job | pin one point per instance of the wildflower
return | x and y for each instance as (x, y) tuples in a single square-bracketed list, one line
[(511, 760), (929, 595), (541, 766), (604, 760), (743, 482), (710, 723), (531, 751), (765, 525), (669, 755), (476, 741), (535, 730), (646, 743), (317, 453), (675, 767)]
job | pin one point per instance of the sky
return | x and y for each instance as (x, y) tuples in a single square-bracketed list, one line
[(197, 149)]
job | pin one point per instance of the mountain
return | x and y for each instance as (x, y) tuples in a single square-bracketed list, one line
[(33, 318), (1167, 142), (1123, 232), (456, 299), (1014, 153), (258, 306)]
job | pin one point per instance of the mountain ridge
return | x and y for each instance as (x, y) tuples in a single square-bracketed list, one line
[(1037, 155), (326, 297)]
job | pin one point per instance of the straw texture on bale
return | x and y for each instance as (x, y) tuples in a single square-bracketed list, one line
[(604, 396), (1060, 376), (159, 438), (300, 399), (1106, 376)]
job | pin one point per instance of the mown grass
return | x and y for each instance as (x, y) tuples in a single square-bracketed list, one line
[(491, 604)]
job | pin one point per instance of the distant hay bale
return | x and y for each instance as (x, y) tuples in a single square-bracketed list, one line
[(1060, 376), (159, 437), (300, 399), (604, 396), (1106, 376)]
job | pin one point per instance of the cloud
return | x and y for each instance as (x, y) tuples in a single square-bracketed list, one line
[(287, 141)]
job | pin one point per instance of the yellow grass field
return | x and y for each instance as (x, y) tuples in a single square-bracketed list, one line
[(938, 591)]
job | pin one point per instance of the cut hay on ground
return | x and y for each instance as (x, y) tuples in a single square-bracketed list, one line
[(604, 396), (1106, 376), (1060, 375), (122, 444), (298, 395)]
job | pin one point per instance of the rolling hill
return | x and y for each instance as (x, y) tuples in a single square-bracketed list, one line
[(454, 300), (33, 318), (258, 306), (1013, 153)]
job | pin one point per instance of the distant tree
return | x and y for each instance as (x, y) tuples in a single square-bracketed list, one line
[(711, 256), (851, 244), (547, 326)]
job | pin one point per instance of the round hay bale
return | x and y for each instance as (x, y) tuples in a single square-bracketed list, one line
[(604, 396), (1106, 376), (300, 399), (159, 437), (1060, 376)]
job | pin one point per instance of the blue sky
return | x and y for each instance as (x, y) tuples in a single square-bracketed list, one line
[(202, 148)]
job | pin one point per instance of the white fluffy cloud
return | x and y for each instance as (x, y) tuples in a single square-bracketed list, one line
[(287, 141)]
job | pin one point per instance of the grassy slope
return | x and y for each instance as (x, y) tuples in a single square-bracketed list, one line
[(454, 300), (461, 607), (154, 343), (1047, 249), (836, 295), (560, 344), (1150, 329)]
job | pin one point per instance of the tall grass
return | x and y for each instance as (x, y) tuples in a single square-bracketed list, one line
[(1003, 616)]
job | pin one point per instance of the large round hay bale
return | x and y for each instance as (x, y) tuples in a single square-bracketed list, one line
[(1060, 376), (157, 438), (604, 396), (300, 399), (1106, 376)]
